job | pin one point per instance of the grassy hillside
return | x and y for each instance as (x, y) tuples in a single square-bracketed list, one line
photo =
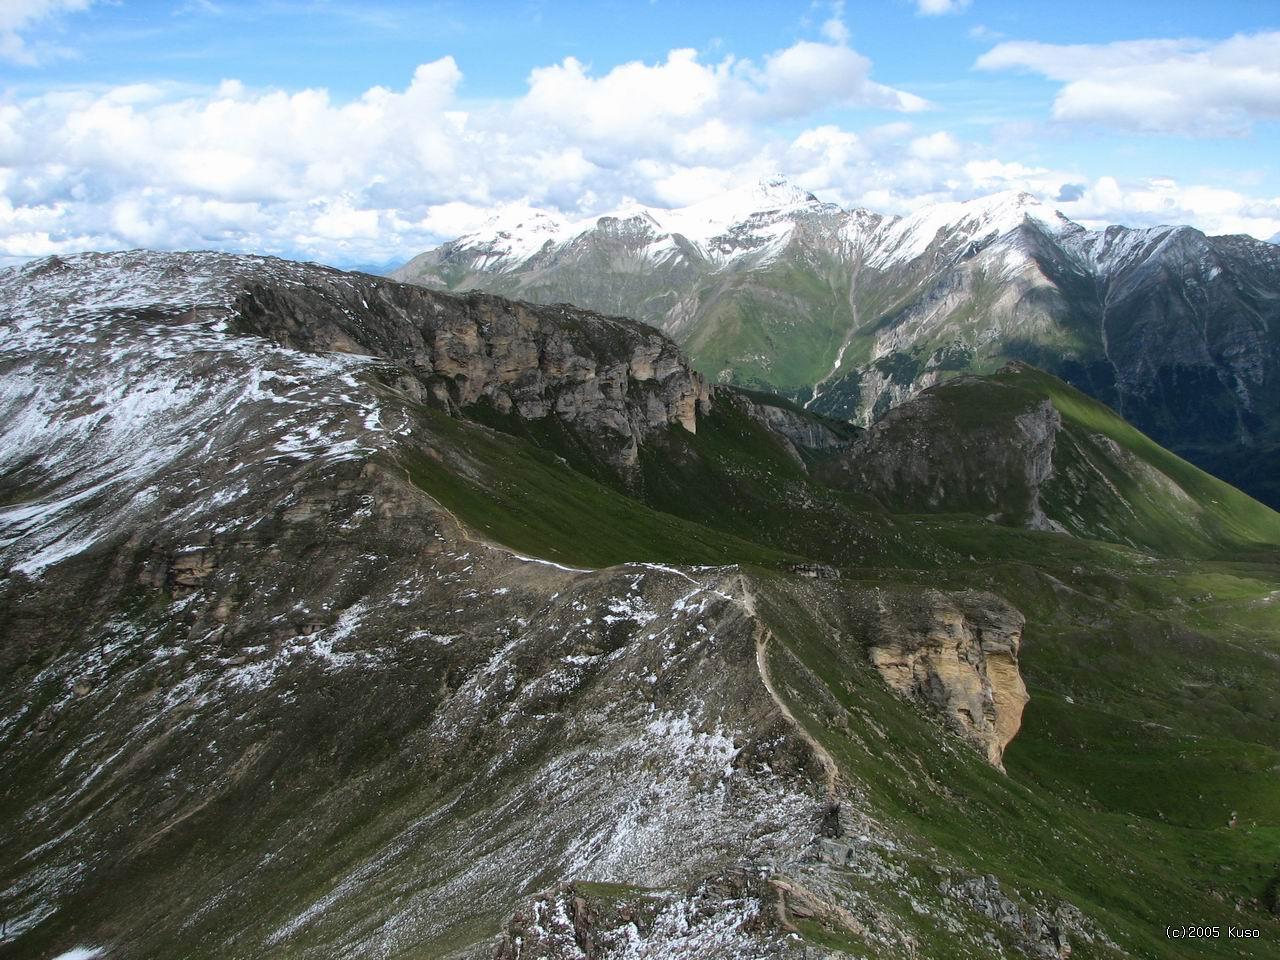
[(1122, 785), (992, 447), (1143, 786), (1222, 512), (779, 327)]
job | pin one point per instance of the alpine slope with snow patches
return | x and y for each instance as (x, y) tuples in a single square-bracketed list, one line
[(225, 601), (124, 396), (264, 693), (315, 642)]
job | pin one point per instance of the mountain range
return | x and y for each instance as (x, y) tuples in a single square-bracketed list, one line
[(346, 617), (849, 312)]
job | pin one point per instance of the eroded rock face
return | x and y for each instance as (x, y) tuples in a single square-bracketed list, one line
[(929, 454), (797, 431), (610, 380), (734, 916), (1040, 931), (958, 653)]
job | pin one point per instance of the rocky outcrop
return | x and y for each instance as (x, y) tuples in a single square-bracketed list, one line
[(613, 382), (948, 452), (1040, 932), (797, 430), (957, 654), (734, 916)]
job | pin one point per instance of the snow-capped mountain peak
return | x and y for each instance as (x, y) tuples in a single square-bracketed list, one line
[(514, 234), (754, 221), (779, 192), (966, 221), (739, 221)]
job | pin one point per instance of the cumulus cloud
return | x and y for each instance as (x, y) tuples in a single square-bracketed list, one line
[(388, 172), (936, 8), (1156, 201), (1182, 86), (682, 93), (19, 16), (935, 146), (394, 171)]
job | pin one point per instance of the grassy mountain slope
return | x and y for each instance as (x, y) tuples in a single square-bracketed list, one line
[(1142, 786), (1023, 446), (1155, 692), (386, 694)]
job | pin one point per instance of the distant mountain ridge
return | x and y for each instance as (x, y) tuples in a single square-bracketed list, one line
[(852, 312)]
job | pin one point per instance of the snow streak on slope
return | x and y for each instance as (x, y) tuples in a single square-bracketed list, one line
[(119, 385), (515, 234), (765, 212)]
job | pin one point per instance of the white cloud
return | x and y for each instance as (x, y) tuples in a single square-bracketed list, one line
[(936, 146), (936, 8), (642, 102), (387, 172), (1158, 201), (19, 16), (1183, 86), (833, 28), (893, 171), (393, 172)]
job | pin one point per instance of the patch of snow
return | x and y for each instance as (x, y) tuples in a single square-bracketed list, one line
[(549, 563), (81, 953), (969, 221)]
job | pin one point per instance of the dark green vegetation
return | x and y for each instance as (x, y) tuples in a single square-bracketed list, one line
[(1145, 784), (525, 496)]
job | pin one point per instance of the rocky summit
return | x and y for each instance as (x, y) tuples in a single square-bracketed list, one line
[(853, 312), (342, 617)]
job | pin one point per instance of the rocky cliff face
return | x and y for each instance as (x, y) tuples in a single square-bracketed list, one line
[(800, 432), (959, 655), (930, 454), (614, 381)]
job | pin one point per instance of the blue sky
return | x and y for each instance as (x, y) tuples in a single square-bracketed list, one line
[(363, 132)]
